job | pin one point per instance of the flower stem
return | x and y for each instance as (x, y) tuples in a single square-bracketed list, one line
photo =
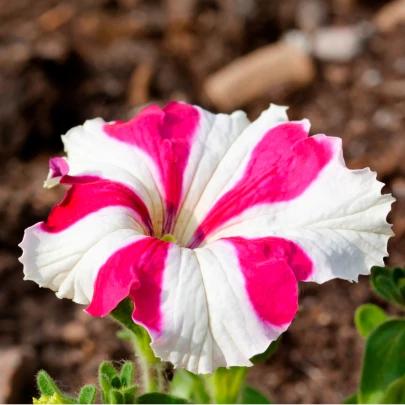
[(150, 365)]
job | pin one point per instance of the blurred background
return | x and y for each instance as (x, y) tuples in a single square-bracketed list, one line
[(340, 63)]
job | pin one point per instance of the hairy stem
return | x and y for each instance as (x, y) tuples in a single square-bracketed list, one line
[(150, 365)]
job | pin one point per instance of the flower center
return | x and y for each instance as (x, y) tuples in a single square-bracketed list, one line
[(168, 238)]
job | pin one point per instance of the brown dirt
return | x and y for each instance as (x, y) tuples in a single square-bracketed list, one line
[(62, 62)]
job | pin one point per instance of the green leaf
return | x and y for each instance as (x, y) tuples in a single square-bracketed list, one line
[(88, 394), (398, 274), (388, 283), (127, 374), (253, 396), (130, 394), (157, 398), (395, 393), (46, 385), (368, 317), (384, 360), (378, 271), (378, 279), (116, 382), (50, 391), (352, 399), (226, 385), (116, 397), (268, 353), (106, 374), (108, 371), (401, 288), (385, 287), (190, 386)]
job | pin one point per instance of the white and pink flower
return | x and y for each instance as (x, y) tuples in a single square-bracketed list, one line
[(207, 222)]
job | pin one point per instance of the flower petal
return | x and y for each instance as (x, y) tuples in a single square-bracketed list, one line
[(223, 304), (92, 152), (338, 218), (58, 167), (170, 155), (91, 194), (215, 306), (160, 155), (184, 145), (95, 216), (165, 136), (215, 135), (231, 168), (135, 270)]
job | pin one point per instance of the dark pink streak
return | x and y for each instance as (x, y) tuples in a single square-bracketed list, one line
[(281, 167), (274, 248), (166, 135), (136, 271), (270, 282), (58, 166), (89, 194)]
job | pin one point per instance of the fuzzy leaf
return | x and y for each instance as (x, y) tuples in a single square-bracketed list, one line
[(88, 394), (50, 391), (106, 373), (46, 385), (116, 382), (127, 374), (129, 394), (116, 397)]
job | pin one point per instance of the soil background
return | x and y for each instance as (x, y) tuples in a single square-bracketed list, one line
[(62, 62)]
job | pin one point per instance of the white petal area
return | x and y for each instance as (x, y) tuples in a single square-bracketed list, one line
[(208, 320), (68, 261), (215, 135), (339, 220), (231, 167), (90, 145)]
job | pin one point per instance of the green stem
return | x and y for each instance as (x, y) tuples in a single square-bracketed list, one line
[(150, 365), (226, 385)]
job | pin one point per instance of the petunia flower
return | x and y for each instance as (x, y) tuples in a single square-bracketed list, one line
[(207, 222)]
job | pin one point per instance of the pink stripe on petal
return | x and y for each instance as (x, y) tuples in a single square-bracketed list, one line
[(166, 135), (89, 194), (290, 252), (270, 282), (136, 271), (281, 167)]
